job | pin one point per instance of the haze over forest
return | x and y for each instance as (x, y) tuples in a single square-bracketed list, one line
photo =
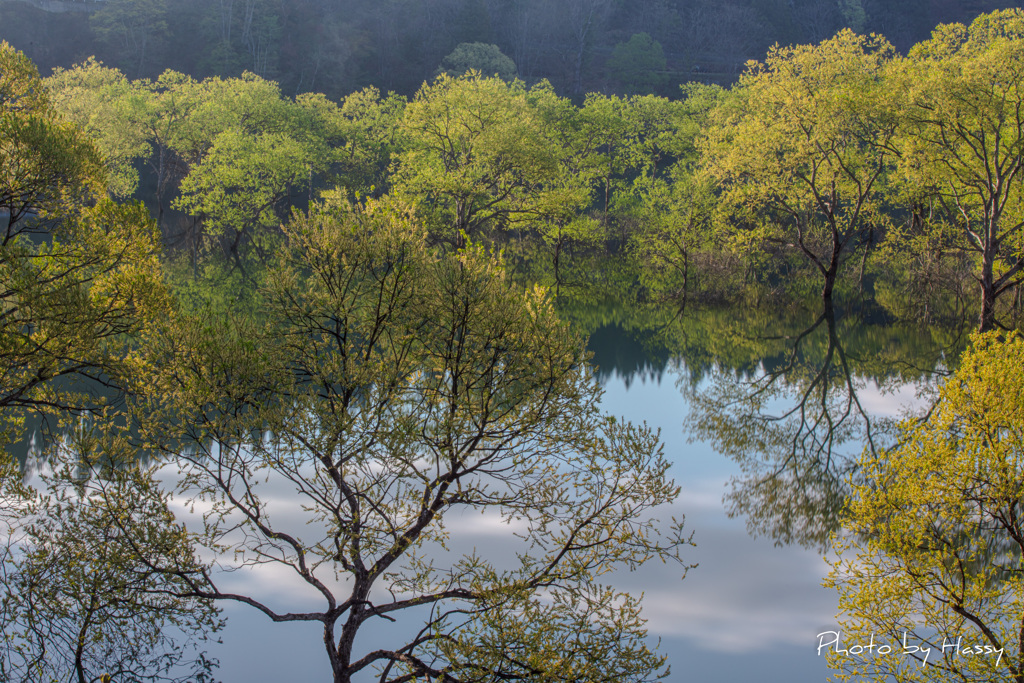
[(340, 46)]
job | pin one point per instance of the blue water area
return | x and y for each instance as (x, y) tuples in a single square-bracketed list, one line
[(749, 610)]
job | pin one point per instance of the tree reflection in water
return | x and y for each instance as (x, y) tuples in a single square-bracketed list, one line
[(796, 423), (793, 403)]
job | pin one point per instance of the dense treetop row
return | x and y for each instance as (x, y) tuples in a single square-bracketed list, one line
[(819, 154)]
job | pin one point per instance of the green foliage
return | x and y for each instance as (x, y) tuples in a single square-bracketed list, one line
[(49, 169), (76, 270), (637, 64), (20, 91), (78, 275), (248, 149), (136, 28), (804, 150), (683, 258), (104, 104), (961, 146), (371, 141), (854, 15), (84, 596), (934, 548), (480, 57), (635, 146), (682, 251), (477, 157), (240, 182), (403, 387), (234, 151)]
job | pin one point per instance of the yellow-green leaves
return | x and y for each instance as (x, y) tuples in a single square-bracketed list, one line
[(20, 89), (240, 181), (76, 270), (477, 157), (48, 168), (935, 538), (82, 592), (385, 391), (803, 152), (962, 144), (101, 102)]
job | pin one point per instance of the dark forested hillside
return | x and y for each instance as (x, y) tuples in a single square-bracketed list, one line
[(338, 46)]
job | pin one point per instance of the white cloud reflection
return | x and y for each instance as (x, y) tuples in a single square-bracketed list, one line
[(748, 602)]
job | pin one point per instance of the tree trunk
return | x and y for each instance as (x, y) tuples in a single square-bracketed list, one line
[(987, 314), (830, 283), (831, 273)]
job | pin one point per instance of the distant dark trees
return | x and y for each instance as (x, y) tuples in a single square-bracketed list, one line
[(340, 46), (483, 57), (638, 64)]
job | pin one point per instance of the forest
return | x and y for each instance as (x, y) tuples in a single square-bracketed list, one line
[(340, 46), (355, 255)]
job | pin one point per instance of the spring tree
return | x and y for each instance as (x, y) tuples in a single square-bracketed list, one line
[(934, 535), (803, 159), (962, 144), (389, 391)]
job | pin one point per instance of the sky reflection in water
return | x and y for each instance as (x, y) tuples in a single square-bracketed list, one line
[(750, 610)]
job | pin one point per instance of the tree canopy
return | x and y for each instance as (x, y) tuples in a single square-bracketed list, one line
[(79, 274), (804, 150), (75, 268), (962, 144), (401, 387), (484, 58), (935, 541), (638, 64), (476, 159), (355, 298)]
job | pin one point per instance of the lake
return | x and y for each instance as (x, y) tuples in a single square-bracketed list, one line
[(753, 606)]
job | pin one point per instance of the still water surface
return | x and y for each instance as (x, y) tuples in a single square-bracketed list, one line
[(751, 609)]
